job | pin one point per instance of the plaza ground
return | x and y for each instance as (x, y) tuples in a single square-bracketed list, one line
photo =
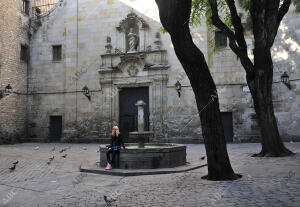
[(265, 181)]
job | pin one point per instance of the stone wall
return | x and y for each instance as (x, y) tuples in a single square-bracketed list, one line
[(285, 52), (13, 33), (235, 96), (82, 30)]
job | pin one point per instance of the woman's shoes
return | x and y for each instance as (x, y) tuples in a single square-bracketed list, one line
[(108, 167)]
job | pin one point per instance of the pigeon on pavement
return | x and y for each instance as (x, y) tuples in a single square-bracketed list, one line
[(50, 160), (64, 156), (109, 200), (62, 150), (53, 149), (12, 168)]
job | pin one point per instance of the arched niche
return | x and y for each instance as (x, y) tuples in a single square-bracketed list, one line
[(132, 24)]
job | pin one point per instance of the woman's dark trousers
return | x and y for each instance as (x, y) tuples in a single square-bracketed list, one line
[(115, 154)]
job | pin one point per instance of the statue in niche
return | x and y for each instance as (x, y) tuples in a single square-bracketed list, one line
[(132, 40)]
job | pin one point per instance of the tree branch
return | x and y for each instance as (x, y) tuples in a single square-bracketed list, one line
[(270, 20), (283, 10), (257, 12), (237, 24), (239, 51), (218, 22), (274, 16)]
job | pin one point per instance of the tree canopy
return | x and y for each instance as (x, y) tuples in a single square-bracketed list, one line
[(201, 8)]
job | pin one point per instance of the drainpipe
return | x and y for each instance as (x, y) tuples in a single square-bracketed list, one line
[(28, 66), (76, 81)]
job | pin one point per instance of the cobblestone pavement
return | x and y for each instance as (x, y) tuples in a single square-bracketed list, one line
[(265, 181)]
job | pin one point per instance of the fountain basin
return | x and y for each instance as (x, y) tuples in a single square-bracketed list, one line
[(142, 137), (152, 156)]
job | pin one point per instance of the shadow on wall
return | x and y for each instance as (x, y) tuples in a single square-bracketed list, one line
[(11, 136), (286, 49)]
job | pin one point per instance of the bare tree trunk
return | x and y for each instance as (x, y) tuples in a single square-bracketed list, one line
[(261, 90), (174, 15)]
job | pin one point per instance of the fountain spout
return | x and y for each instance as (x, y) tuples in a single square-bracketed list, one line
[(141, 134), (141, 119)]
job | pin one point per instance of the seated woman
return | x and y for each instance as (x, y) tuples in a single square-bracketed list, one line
[(114, 147)]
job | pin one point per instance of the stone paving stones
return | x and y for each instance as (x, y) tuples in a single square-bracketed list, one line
[(265, 181)]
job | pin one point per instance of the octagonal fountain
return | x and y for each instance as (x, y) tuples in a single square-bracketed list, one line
[(143, 155)]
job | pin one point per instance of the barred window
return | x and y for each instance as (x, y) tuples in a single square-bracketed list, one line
[(220, 39), (39, 7), (56, 50), (24, 53), (25, 7)]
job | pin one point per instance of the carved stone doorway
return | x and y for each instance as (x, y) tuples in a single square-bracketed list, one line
[(128, 111)]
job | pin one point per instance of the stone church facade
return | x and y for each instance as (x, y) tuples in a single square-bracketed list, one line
[(91, 60)]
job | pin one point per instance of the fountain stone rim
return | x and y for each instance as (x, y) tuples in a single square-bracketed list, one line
[(162, 147)]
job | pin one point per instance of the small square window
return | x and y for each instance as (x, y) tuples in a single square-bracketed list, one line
[(220, 39), (56, 49), (24, 53), (25, 7)]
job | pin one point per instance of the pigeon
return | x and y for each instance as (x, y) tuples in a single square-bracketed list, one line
[(64, 156), (109, 200), (84, 148), (53, 149), (62, 150), (12, 168), (202, 158), (16, 162), (51, 158), (36, 148)]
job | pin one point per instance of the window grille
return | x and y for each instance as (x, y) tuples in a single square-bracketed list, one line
[(25, 7), (24, 53), (56, 49), (220, 39), (42, 6)]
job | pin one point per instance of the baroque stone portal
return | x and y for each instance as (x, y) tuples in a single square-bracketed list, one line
[(134, 64)]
